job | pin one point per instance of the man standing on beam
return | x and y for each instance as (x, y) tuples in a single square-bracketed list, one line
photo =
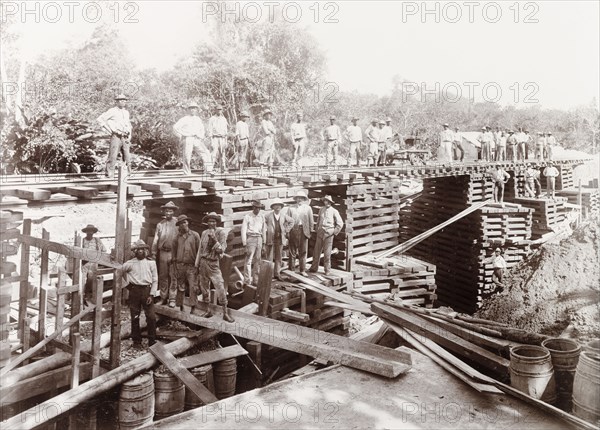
[(253, 238), (330, 224), (116, 121), (185, 250), (304, 223), (162, 245), (190, 131), (217, 130)]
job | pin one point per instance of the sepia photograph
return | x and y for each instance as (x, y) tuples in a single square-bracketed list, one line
[(300, 214)]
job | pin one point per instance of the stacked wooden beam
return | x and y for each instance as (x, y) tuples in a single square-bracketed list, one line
[(402, 277), (370, 214), (515, 187), (565, 179), (590, 200), (548, 213)]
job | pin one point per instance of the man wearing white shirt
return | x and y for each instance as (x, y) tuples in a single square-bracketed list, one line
[(446, 139), (550, 144), (190, 132), (551, 173), (253, 237), (332, 136), (267, 151), (457, 145), (116, 121), (217, 131), (298, 133), (354, 135), (386, 137), (372, 134), (242, 135)]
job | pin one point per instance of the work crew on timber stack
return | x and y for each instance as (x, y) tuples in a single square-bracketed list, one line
[(253, 237), (162, 247), (185, 250), (141, 275), (304, 223), (329, 224), (213, 244), (278, 227), (116, 121), (242, 135), (89, 268), (217, 130), (190, 131)]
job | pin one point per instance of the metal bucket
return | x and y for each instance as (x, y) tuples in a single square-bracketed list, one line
[(565, 356), (531, 372)]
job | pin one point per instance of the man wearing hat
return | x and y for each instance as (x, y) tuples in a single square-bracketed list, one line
[(142, 278), (329, 224), (185, 250), (499, 177), (190, 131), (511, 146), (93, 247), (386, 138), (304, 223), (550, 144), (540, 145), (217, 130), (298, 133), (501, 146), (551, 173), (253, 236), (446, 139), (162, 246), (353, 134), (242, 136), (457, 145), (332, 136), (381, 145), (533, 187), (266, 154), (278, 227), (498, 265), (372, 134), (116, 122), (213, 244), (522, 139)]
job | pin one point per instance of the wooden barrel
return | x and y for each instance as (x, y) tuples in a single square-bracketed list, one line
[(136, 402), (531, 372), (204, 374), (225, 373), (169, 394), (586, 387), (565, 356), (593, 347)]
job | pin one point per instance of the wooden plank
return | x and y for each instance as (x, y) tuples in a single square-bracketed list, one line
[(160, 187), (82, 192), (60, 300), (245, 183), (209, 357), (263, 291), (32, 193), (24, 284), (31, 352), (191, 383), (303, 340), (75, 360), (449, 340), (97, 288)]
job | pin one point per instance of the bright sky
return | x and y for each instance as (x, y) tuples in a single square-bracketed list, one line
[(550, 55)]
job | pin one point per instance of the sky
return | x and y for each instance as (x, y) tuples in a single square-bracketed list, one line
[(515, 53)]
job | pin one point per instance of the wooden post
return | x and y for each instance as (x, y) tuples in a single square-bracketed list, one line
[(24, 286), (43, 303), (263, 293), (76, 296), (115, 348), (60, 299), (96, 330), (26, 337), (580, 203), (76, 343)]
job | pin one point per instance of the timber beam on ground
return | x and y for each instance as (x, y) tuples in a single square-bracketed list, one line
[(319, 344), (66, 189)]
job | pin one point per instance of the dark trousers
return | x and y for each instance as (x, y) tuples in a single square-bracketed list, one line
[(322, 245), (138, 299), (499, 191), (497, 277), (298, 247)]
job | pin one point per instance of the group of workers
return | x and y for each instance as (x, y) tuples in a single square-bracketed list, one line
[(179, 259), (193, 136), (499, 145), (533, 187)]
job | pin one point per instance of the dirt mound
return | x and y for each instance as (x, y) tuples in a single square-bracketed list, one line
[(556, 287)]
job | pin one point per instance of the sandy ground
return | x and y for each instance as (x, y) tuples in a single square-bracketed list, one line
[(556, 288)]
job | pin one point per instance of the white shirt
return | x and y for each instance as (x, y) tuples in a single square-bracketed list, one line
[(446, 136), (353, 133), (268, 127), (386, 133), (298, 130), (332, 132), (188, 126), (217, 126), (116, 120), (241, 130)]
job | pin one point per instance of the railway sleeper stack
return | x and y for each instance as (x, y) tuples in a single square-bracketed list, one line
[(565, 179), (590, 200), (548, 213)]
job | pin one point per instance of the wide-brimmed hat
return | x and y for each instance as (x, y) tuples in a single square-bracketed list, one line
[(193, 105), (301, 194), (332, 117), (182, 218), (355, 118), (139, 244), (277, 202), (299, 113), (266, 111), (374, 120), (388, 119), (244, 114), (483, 128), (212, 215), (121, 97), (170, 205), (549, 132), (218, 107), (497, 250), (90, 227), (256, 204), (327, 198), (381, 121), (445, 124)]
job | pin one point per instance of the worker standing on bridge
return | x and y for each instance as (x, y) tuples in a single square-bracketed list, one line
[(191, 133), (385, 140), (185, 249), (116, 121), (372, 134), (213, 244), (521, 145), (457, 145), (304, 223), (278, 226), (162, 247), (511, 146), (142, 278), (329, 224), (93, 247), (501, 146), (550, 145), (446, 139), (298, 133), (499, 177), (353, 135), (540, 145), (267, 151), (533, 187), (217, 130), (551, 173), (242, 135), (332, 136), (253, 237)]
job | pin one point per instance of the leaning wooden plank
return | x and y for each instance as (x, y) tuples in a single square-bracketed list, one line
[(304, 340), (31, 352), (101, 258), (449, 340), (209, 357), (191, 383)]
